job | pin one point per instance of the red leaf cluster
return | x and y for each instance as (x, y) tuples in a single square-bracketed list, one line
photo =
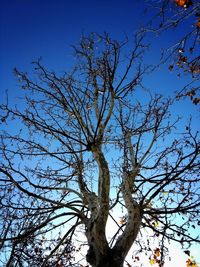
[(184, 3)]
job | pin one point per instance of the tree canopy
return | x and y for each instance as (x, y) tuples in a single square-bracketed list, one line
[(85, 144), (93, 148), (182, 18)]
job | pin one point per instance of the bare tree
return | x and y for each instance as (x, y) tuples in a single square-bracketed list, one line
[(80, 146)]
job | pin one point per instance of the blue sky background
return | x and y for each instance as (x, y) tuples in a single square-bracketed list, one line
[(33, 28), (30, 29)]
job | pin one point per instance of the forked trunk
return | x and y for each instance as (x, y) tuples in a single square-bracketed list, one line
[(99, 253)]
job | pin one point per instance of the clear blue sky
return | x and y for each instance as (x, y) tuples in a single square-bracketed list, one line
[(33, 28)]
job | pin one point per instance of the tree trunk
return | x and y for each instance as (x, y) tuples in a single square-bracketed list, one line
[(111, 258)]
